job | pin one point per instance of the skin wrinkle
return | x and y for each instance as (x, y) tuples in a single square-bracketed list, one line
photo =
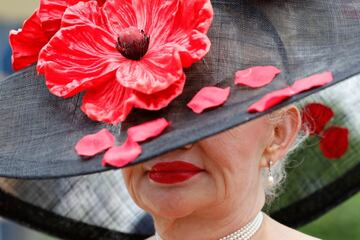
[(229, 193)]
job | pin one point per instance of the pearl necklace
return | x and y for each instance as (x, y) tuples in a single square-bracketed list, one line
[(244, 233)]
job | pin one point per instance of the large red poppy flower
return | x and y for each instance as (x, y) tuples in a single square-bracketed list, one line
[(37, 30), (125, 54)]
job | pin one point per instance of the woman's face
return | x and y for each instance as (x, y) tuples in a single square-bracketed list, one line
[(230, 174)]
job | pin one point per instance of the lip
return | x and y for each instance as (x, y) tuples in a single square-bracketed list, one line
[(173, 172)]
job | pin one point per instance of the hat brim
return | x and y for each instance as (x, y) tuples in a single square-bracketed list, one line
[(38, 131)]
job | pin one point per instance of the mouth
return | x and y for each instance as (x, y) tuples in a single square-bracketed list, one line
[(173, 172)]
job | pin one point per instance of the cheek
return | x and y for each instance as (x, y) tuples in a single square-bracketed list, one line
[(233, 157), (132, 178)]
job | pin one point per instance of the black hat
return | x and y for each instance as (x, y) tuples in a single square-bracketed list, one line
[(38, 130)]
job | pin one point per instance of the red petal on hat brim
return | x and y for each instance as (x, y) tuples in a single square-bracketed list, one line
[(91, 60), (313, 81), (334, 142), (93, 144), (209, 97), (275, 97), (147, 130), (27, 42), (315, 116), (159, 99), (122, 155), (110, 103), (255, 77), (159, 69)]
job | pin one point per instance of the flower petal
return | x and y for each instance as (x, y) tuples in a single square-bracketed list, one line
[(270, 100), (109, 103), (155, 72), (193, 47), (315, 116), (156, 18), (92, 144), (195, 14), (334, 142), (191, 24), (86, 13), (119, 14), (123, 155), (316, 80), (147, 130), (209, 97), (27, 42), (51, 12), (273, 98), (255, 77), (161, 99), (78, 58)]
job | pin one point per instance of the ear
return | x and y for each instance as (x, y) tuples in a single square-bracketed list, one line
[(284, 130)]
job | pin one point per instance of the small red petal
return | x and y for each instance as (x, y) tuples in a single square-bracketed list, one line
[(334, 142), (315, 116), (209, 97), (313, 81), (92, 144), (255, 77), (273, 98), (148, 130), (270, 100), (122, 155)]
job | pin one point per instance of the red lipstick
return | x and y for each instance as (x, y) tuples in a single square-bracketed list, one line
[(173, 172)]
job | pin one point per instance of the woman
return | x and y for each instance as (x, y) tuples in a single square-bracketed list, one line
[(139, 61), (227, 191)]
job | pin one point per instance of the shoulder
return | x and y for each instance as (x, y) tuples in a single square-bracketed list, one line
[(282, 232)]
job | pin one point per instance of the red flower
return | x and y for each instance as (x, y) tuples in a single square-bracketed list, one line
[(334, 142), (315, 116), (126, 54), (36, 31)]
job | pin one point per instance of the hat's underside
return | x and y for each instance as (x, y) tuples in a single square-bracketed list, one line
[(38, 131)]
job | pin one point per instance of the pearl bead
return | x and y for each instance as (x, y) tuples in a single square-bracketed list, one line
[(271, 181)]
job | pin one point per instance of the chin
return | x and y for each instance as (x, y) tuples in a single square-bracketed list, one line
[(175, 201)]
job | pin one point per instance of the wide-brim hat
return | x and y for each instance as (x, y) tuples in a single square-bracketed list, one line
[(38, 131)]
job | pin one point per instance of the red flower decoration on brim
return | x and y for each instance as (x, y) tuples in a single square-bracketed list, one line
[(334, 142), (126, 54), (37, 30), (315, 116)]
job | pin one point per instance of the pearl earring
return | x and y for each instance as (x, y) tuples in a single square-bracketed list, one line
[(270, 176)]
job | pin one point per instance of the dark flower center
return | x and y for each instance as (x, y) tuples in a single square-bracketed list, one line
[(133, 43)]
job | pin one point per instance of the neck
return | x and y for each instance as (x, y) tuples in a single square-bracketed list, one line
[(213, 223)]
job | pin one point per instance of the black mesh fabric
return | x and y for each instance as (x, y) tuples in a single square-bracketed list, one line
[(38, 130)]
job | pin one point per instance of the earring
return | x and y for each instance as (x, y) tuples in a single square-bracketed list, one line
[(270, 176)]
